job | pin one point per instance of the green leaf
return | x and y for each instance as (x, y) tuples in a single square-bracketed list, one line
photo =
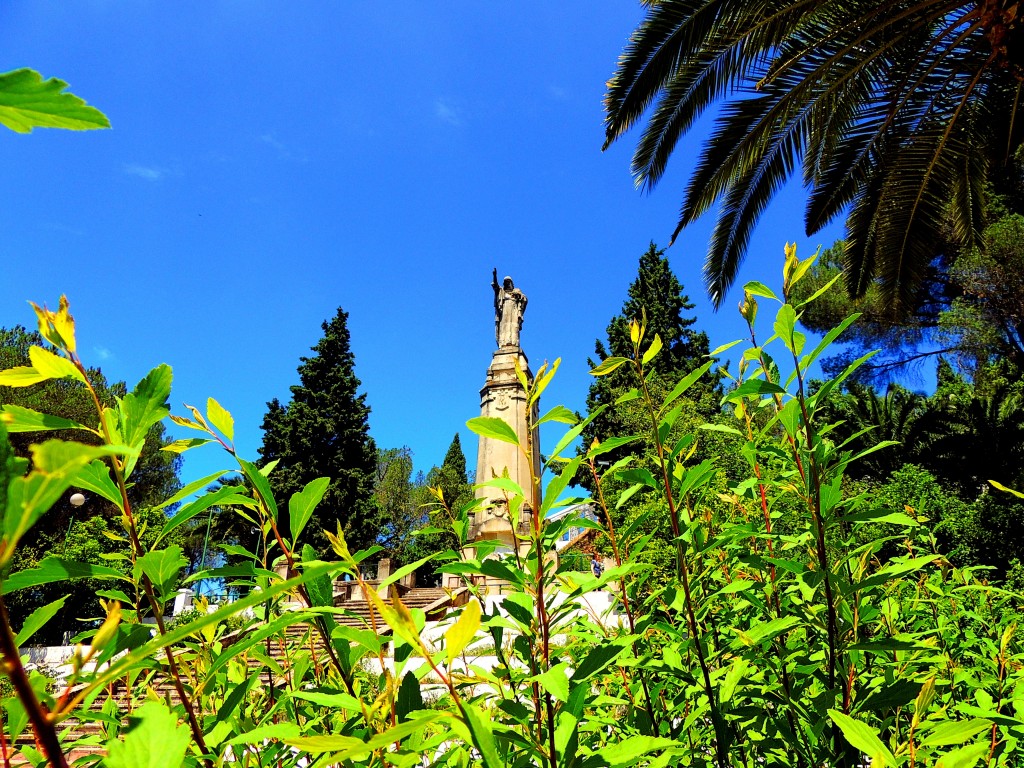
[(628, 397), (685, 383), (53, 569), (759, 289), (820, 291), (595, 660), (226, 494), (55, 465), (220, 418), (733, 676), (349, 747), (53, 366), (863, 737), (192, 487), (555, 681), (767, 631), (652, 350), (558, 484), (608, 365), (494, 428), (335, 700), (260, 734), (37, 620), (993, 483), (410, 697), (560, 414), (894, 570), (828, 339), (153, 740), (964, 757), (18, 419), (180, 446), (261, 485), (785, 324), (27, 101), (21, 376), (254, 638), (952, 732), (462, 632), (147, 404), (162, 566), (629, 749), (610, 445), (147, 650), (723, 348), (95, 477), (503, 484), (302, 504), (721, 428), (483, 738), (754, 387)]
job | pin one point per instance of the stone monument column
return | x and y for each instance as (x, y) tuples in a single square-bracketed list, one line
[(503, 397)]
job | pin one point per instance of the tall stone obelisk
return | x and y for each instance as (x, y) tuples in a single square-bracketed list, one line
[(503, 397)]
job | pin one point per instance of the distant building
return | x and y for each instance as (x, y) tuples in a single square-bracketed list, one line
[(585, 511)]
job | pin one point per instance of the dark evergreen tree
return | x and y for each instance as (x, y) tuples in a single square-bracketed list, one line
[(452, 477), (324, 432), (657, 294)]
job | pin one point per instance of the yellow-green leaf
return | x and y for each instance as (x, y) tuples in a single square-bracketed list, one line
[(461, 633), (53, 366), (863, 737), (494, 428), (27, 101), (653, 350), (608, 365), (156, 740), (220, 418), (21, 376)]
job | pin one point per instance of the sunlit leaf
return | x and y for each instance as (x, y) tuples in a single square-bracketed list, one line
[(154, 739), (462, 632), (220, 418), (27, 101), (494, 428)]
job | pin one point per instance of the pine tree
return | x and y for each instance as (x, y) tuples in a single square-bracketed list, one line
[(657, 294), (324, 432)]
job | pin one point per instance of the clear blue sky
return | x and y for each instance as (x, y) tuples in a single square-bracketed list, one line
[(270, 162)]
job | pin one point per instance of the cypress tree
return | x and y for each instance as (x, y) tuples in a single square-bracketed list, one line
[(659, 295), (451, 477), (324, 432)]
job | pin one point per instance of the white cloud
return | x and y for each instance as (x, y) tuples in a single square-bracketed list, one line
[(447, 113), (102, 353), (147, 172), (283, 150)]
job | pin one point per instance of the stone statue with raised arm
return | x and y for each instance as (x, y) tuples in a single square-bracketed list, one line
[(509, 308)]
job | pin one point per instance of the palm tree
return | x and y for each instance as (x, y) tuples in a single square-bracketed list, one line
[(971, 440), (877, 418), (896, 112)]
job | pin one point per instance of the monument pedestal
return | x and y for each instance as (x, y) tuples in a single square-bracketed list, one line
[(504, 397)]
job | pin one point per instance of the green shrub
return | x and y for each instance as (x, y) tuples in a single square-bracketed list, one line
[(790, 622)]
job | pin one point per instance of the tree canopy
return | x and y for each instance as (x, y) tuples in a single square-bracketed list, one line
[(324, 431)]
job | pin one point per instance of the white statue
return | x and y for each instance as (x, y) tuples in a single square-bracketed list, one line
[(509, 308)]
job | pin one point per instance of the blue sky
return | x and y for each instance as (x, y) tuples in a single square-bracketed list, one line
[(270, 162)]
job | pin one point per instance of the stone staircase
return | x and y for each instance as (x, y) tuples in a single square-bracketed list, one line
[(356, 612)]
